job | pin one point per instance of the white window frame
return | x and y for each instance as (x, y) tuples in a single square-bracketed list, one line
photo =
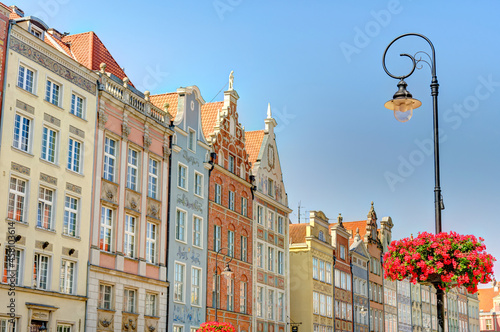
[(281, 262), (24, 86), (133, 169), (75, 160), (130, 300), (270, 259), (316, 303), (230, 243), (74, 105), (36, 31), (342, 252), (62, 327), (260, 255), (67, 279), (191, 140), (198, 184), (196, 286), (179, 295), (315, 268), (24, 137), (46, 206), (180, 228), (281, 307), (182, 177), (151, 247), (271, 220), (230, 201), (230, 295), (110, 154), (244, 206), (217, 237), (129, 236), (103, 292), (218, 194), (17, 197), (151, 306), (260, 214), (50, 144), (16, 264), (153, 178), (281, 224), (49, 92), (104, 228), (37, 277), (328, 273), (260, 301), (244, 248), (69, 210), (243, 296), (197, 231), (231, 165)]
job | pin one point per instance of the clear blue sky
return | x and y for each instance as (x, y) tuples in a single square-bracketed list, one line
[(319, 65)]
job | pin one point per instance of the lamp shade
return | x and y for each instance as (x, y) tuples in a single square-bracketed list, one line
[(227, 272), (403, 103)]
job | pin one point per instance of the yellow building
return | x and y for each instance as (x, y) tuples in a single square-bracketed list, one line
[(311, 274), (48, 124)]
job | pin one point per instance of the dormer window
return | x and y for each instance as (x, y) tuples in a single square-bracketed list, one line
[(321, 236), (37, 32)]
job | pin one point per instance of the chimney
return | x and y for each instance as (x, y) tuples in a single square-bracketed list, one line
[(17, 10)]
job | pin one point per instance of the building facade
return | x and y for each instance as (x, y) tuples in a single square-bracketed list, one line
[(271, 297), (311, 274), (188, 213), (360, 259), (404, 305), (230, 214), (47, 128)]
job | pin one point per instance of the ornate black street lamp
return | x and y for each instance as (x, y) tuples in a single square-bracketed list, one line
[(226, 273), (403, 105)]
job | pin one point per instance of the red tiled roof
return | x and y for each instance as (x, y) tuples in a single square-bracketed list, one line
[(298, 233), (486, 296), (352, 226), (253, 142), (50, 40), (169, 98), (209, 116), (89, 50)]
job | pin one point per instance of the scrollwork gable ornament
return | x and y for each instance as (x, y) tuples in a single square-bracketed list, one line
[(166, 148), (103, 118), (147, 139)]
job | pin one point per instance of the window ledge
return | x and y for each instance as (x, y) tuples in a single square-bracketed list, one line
[(26, 91), (53, 231), (49, 163), (54, 105), (71, 237), (76, 116), (75, 173), (21, 151), (17, 221)]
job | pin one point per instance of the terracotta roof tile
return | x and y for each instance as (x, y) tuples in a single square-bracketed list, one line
[(486, 296), (298, 233), (352, 226), (209, 116), (49, 39), (170, 98), (89, 50), (253, 142)]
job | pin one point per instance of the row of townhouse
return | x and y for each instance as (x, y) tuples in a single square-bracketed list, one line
[(123, 209), (337, 283)]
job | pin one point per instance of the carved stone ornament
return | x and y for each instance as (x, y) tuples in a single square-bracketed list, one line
[(103, 118), (147, 141), (133, 203), (125, 130), (105, 323), (166, 151), (109, 194)]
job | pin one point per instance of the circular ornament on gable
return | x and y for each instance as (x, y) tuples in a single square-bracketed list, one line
[(192, 105)]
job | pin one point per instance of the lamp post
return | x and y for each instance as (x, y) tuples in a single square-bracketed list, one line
[(226, 273), (403, 105)]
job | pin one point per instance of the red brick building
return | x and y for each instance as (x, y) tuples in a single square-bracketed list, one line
[(229, 214)]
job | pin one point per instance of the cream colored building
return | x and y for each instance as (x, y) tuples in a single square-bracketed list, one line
[(48, 124)]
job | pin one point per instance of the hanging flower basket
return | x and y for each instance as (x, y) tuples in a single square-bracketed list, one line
[(445, 260), (216, 326)]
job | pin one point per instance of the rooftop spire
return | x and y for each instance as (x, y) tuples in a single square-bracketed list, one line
[(269, 114)]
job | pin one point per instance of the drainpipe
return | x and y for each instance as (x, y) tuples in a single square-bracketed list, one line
[(11, 23), (172, 127), (368, 285), (333, 278), (352, 296)]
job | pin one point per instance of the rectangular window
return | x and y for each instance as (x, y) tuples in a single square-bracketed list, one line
[(321, 270), (191, 140), (106, 229), (315, 303), (328, 273), (17, 198), (322, 305), (182, 177), (198, 184), (196, 231), (77, 106), (243, 297), (231, 200), (270, 304), (270, 187), (49, 142), (260, 301), (260, 214), (71, 208), (329, 311), (109, 159), (153, 179), (52, 93), (129, 241), (342, 252), (132, 169), (280, 225), (217, 238), (260, 255), (105, 297), (129, 300), (41, 271), (63, 328), (216, 296), (180, 226), (230, 243), (45, 208), (281, 262), (74, 155), (179, 282), (315, 268), (178, 328), (25, 78), (151, 243), (12, 266), (270, 259), (337, 279), (270, 220), (281, 307), (217, 193), (244, 207), (244, 246), (230, 295), (231, 164), (67, 276), (22, 133), (151, 304), (196, 286)]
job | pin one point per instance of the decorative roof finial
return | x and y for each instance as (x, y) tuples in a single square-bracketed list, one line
[(371, 214), (231, 80), (340, 219), (269, 114)]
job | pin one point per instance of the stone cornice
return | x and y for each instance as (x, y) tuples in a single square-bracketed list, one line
[(23, 289), (122, 274), (271, 201), (232, 175)]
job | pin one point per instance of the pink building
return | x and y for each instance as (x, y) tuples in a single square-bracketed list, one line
[(489, 309)]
